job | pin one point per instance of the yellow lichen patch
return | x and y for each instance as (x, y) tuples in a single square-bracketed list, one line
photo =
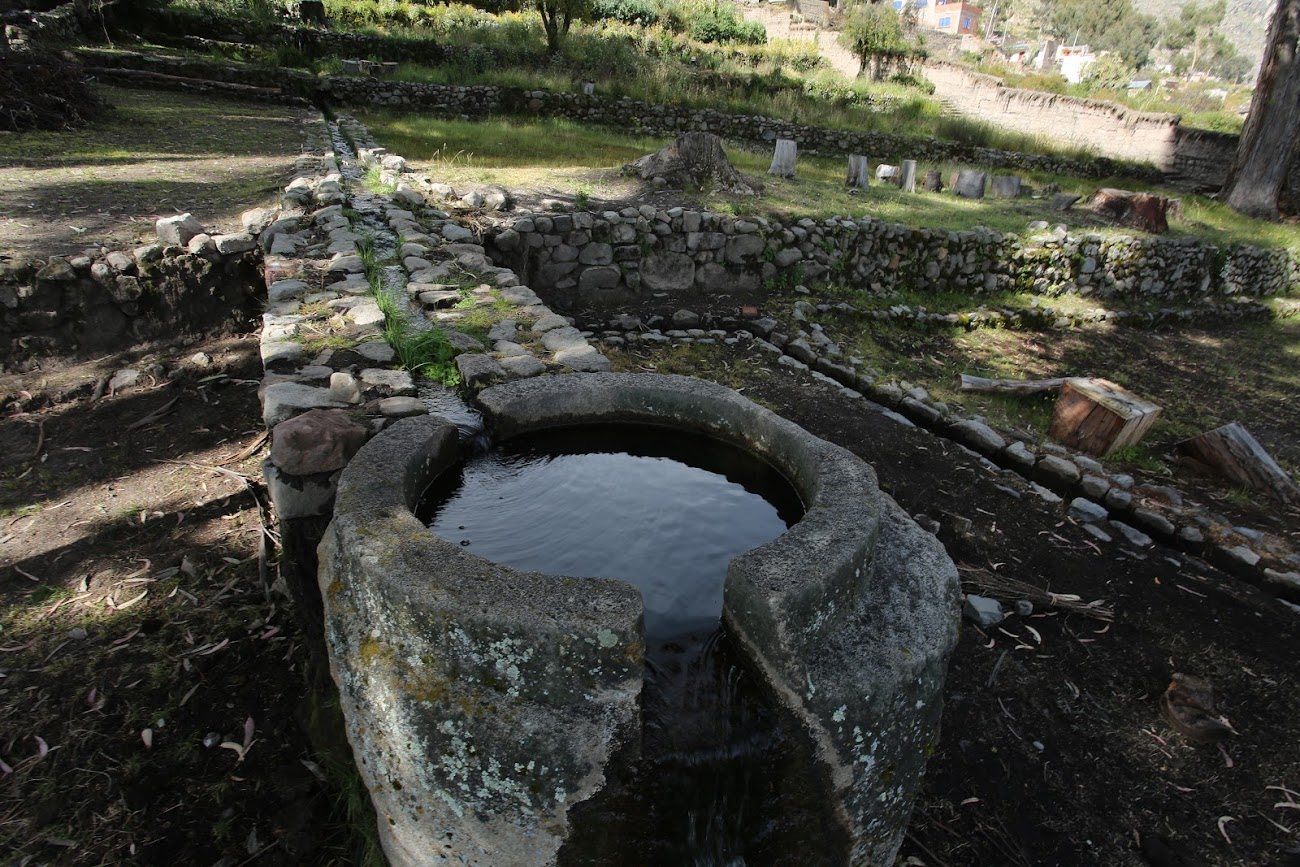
[(372, 651)]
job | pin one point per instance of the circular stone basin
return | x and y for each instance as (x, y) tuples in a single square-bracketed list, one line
[(663, 509), (489, 706)]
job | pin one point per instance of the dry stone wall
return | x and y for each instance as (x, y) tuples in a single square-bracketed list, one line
[(614, 256)]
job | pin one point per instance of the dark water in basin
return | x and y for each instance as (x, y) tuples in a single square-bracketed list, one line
[(661, 509), (724, 778)]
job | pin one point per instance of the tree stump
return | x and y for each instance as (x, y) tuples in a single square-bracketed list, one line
[(1097, 416), (907, 180), (695, 158), (783, 159), (859, 172), (1232, 452), (933, 181), (1145, 211)]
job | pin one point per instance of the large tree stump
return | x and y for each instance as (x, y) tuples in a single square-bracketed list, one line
[(1232, 452), (1097, 416), (1145, 211), (784, 158), (859, 172), (933, 181), (695, 158)]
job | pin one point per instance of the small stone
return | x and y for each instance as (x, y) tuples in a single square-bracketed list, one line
[(979, 436), (318, 441), (284, 400), (201, 245), (1153, 521), (1024, 607), (686, 319), (550, 322), (1241, 554), (211, 739), (124, 378), (522, 366), (478, 369), (344, 388), (1132, 535), (401, 407), (375, 350), (1057, 471), (77, 633), (1096, 532), (583, 359), (177, 230), (983, 611), (1087, 511), (388, 383), (1191, 535), (231, 244)]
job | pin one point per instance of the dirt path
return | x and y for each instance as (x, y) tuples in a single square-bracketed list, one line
[(153, 154)]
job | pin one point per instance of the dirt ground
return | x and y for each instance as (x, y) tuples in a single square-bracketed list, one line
[(154, 694), (1053, 750), (151, 155)]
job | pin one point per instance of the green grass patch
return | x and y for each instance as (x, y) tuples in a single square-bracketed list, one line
[(517, 152), (424, 352)]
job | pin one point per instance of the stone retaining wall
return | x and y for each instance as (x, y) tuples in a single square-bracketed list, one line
[(100, 299), (1105, 127), (611, 257), (1195, 159)]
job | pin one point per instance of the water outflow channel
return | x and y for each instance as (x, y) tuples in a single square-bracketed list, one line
[(721, 780)]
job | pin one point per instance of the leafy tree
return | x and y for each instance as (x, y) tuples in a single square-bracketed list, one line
[(1192, 31), (558, 16), (1106, 25), (873, 32), (1268, 140), (1108, 72)]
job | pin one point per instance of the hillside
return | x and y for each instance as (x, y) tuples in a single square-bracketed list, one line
[(1245, 24)]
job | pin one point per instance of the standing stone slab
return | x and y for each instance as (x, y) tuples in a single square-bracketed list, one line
[(784, 158), (907, 180), (1005, 186), (970, 184), (859, 172)]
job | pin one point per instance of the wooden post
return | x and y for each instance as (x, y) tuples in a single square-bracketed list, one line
[(1232, 452), (859, 172), (1097, 416), (908, 178), (783, 159)]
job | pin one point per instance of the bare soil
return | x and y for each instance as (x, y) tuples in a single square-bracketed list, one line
[(153, 154)]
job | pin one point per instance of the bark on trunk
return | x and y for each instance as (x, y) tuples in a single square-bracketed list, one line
[(967, 382), (1232, 452), (1268, 139)]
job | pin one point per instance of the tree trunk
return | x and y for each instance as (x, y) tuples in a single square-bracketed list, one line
[(859, 172), (783, 158), (1022, 387), (550, 22), (1231, 451), (1268, 139)]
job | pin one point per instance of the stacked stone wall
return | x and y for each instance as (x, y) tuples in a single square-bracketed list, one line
[(610, 257)]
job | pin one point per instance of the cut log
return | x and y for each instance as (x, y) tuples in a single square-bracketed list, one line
[(1097, 416), (933, 181), (907, 181), (1008, 386), (1232, 452), (1145, 211), (784, 158), (859, 172)]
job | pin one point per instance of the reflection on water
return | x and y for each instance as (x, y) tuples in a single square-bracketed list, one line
[(723, 779)]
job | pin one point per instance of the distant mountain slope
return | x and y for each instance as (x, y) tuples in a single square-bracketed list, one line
[(1245, 24)]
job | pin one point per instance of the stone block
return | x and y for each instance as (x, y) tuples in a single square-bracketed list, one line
[(318, 441)]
